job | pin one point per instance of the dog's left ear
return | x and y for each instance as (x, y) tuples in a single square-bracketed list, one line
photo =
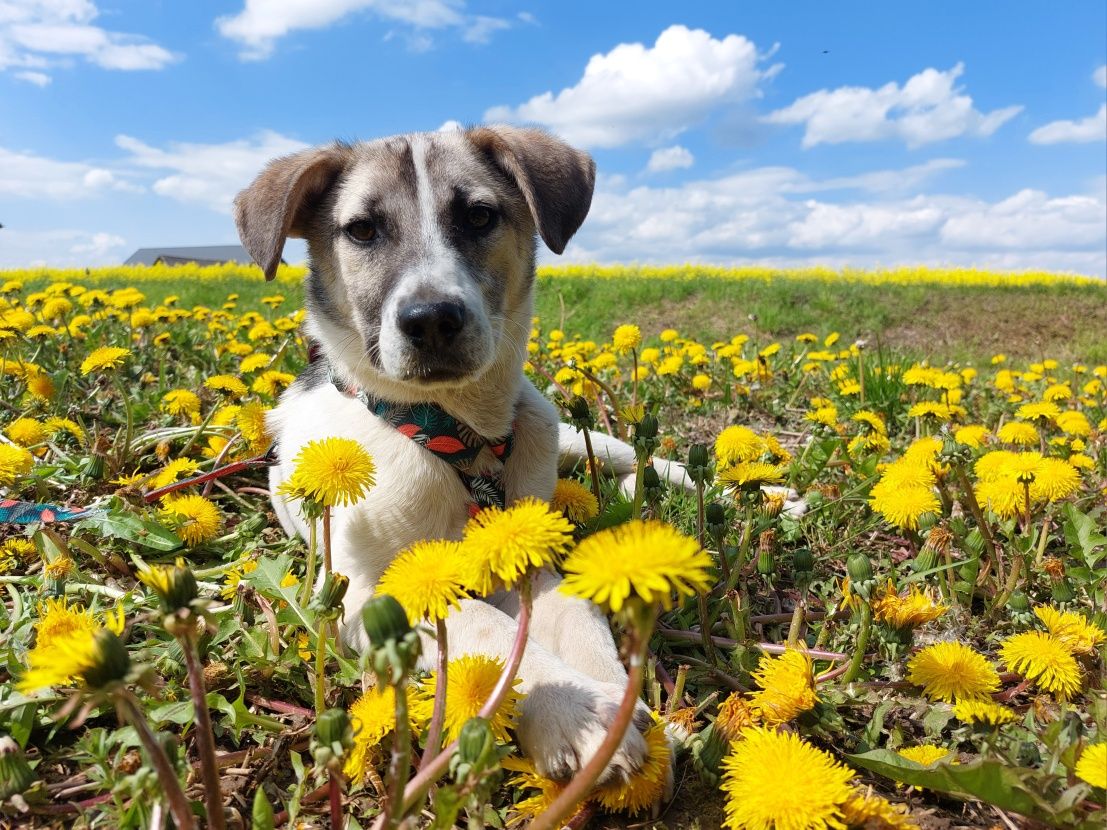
[(555, 179)]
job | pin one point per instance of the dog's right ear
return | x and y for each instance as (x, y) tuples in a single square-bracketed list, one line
[(277, 204)]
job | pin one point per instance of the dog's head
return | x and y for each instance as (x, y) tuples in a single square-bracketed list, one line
[(422, 246)]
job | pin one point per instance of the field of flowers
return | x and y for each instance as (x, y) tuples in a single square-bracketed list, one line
[(922, 646)]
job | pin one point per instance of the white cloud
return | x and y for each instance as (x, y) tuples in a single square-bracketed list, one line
[(37, 34), (647, 93), (261, 23), (450, 126), (207, 174), (670, 158), (1092, 128), (778, 215), (29, 176), (59, 248), (37, 78), (927, 108)]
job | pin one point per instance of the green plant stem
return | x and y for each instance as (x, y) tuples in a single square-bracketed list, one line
[(320, 668), (434, 732), (205, 740), (196, 435), (400, 764), (797, 621), (309, 571), (1009, 587), (593, 472), (862, 644), (639, 488), (582, 783), (179, 806), (978, 515), (125, 451), (326, 539)]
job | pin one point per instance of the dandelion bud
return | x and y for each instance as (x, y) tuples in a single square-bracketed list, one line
[(384, 619), (699, 463), (162, 450), (765, 565), (111, 661), (328, 601), (645, 436), (803, 561), (579, 413), (475, 744), (772, 505), (859, 568), (333, 736), (261, 817), (175, 585), (16, 774), (1063, 591), (925, 560), (651, 483)]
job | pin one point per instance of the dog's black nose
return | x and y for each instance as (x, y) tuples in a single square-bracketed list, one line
[(432, 325)]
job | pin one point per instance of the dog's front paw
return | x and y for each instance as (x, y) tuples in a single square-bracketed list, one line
[(563, 723)]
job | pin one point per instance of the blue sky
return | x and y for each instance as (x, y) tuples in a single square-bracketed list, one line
[(789, 133)]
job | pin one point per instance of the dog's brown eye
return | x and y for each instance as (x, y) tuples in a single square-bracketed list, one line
[(361, 231), (479, 217)]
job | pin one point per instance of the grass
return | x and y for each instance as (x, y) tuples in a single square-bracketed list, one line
[(945, 321)]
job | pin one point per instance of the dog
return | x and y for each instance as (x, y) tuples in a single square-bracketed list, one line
[(420, 291)]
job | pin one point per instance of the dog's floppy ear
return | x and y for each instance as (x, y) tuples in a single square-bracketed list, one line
[(555, 179), (274, 207)]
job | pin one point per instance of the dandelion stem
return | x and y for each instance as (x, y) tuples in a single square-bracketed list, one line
[(335, 793), (401, 759), (862, 644), (434, 732), (429, 772), (309, 571), (205, 741), (593, 472), (582, 783), (978, 515), (171, 785), (125, 452), (320, 669), (326, 539), (797, 621)]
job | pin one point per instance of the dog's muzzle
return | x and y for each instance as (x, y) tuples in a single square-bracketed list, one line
[(431, 327)]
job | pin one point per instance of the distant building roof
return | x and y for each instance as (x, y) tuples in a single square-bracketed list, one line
[(201, 254)]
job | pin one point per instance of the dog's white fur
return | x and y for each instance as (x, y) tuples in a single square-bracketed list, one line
[(571, 672)]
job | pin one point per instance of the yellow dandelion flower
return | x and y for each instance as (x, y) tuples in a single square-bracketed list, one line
[(787, 687), (253, 362), (646, 787), (271, 382), (952, 671), (650, 560), (925, 755), (574, 500), (228, 384), (870, 419), (251, 422), (825, 415), (235, 576), (373, 717), (55, 425), (1044, 659), (983, 711), (18, 549), (1079, 635), (60, 568), (59, 620), (777, 781), (331, 471), (181, 402), (426, 579), (1074, 422), (903, 506), (751, 474), (471, 679), (1044, 411), (105, 357), (1092, 766), (1054, 480), (1018, 432), (735, 716), (500, 546), (71, 645), (175, 470), (194, 518), (15, 461), (736, 444), (973, 435), (1003, 496), (626, 338), (527, 778), (868, 811), (40, 385), (906, 472), (26, 432), (701, 382), (907, 611)]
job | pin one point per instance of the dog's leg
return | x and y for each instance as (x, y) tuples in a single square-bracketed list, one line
[(565, 714)]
